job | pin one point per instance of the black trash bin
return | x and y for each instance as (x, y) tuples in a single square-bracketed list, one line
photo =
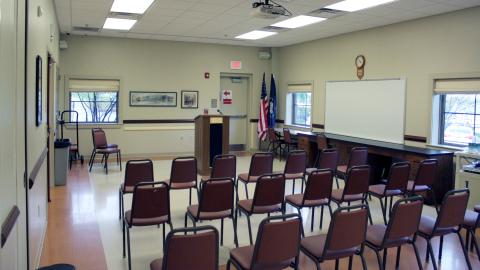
[(61, 161)]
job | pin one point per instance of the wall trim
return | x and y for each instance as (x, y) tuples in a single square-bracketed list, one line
[(36, 168), (158, 121), (255, 120), (414, 138)]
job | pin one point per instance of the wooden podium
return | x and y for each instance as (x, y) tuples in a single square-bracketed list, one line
[(211, 139)]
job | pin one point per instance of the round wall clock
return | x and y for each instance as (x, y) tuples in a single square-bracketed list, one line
[(360, 63)]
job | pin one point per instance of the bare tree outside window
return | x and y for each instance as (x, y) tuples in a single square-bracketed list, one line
[(95, 106)]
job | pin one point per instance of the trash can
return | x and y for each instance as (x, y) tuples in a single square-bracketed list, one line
[(61, 161)]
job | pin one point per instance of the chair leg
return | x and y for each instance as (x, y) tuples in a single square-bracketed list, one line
[(228, 264), (106, 164), (417, 256), (120, 159), (364, 263), (397, 262), (474, 242), (234, 223), (430, 251), (385, 253), (383, 211), (185, 221), (434, 200), (163, 233), (249, 230), (119, 203), (350, 261), (128, 249), (91, 157), (246, 190), (236, 190), (465, 252), (379, 260), (93, 160), (336, 179), (293, 186), (313, 219), (440, 249), (321, 218), (336, 264), (190, 196), (369, 214), (123, 234), (221, 232)]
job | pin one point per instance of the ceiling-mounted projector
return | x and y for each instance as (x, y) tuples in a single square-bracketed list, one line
[(264, 9)]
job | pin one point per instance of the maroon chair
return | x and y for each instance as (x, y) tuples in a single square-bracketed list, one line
[(358, 157), (401, 230), (150, 206), (268, 198), (277, 245), (356, 187), (322, 143), (295, 167), (260, 164), (275, 144), (345, 237), (451, 215), (184, 175), (136, 171), (224, 166), (289, 141), (100, 146), (189, 248), (216, 201), (396, 185), (326, 159), (318, 193), (424, 179), (470, 223)]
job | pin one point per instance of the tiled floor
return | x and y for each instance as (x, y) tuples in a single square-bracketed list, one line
[(84, 228)]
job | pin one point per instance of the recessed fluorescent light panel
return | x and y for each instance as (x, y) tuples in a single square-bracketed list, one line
[(131, 6), (256, 34), (119, 24), (298, 21), (354, 5)]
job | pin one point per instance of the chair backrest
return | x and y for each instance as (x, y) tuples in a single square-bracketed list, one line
[(348, 228), (216, 195), (321, 142), (191, 248), (269, 190), (426, 172), (319, 185), (272, 136), (358, 156), (150, 200), (398, 176), (358, 178), (278, 242), (137, 171), (453, 209), (287, 137), (184, 170), (99, 138), (328, 159), (224, 166), (296, 162), (404, 219), (261, 163)]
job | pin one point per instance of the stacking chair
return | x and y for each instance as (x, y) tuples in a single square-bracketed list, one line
[(216, 201), (470, 223), (224, 166), (275, 144), (277, 245), (450, 216), (326, 159), (356, 187), (136, 171), (321, 142), (345, 238), (268, 198), (289, 141), (424, 179), (401, 230), (189, 248), (184, 175), (396, 185), (318, 193), (100, 146), (150, 206), (358, 156), (295, 167), (261, 163)]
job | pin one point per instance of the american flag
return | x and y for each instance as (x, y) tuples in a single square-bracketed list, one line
[(262, 119)]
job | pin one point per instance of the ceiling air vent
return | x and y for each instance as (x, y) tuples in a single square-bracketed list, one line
[(86, 29), (274, 29), (327, 13), (125, 15)]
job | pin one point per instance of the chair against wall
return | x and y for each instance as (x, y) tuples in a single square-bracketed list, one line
[(290, 143), (136, 171), (318, 193), (275, 144), (295, 167), (223, 166), (216, 201), (268, 198), (102, 147), (424, 179), (450, 216), (183, 175), (358, 156), (344, 239), (396, 185), (189, 248), (470, 223), (276, 247), (326, 159), (150, 206), (260, 163), (401, 230)]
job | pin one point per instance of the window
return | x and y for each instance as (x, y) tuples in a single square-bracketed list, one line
[(299, 105), (96, 101)]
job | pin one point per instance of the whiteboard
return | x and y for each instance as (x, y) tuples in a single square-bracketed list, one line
[(370, 109)]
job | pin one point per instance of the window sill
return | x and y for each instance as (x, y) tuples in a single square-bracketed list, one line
[(305, 128), (446, 147), (91, 125)]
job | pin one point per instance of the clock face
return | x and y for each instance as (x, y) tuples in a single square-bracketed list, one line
[(360, 61)]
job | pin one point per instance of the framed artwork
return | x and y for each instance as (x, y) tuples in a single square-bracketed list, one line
[(189, 99), (153, 99), (38, 91)]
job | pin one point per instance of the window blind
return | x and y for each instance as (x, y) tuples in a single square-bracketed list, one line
[(299, 88), (93, 85), (466, 86)]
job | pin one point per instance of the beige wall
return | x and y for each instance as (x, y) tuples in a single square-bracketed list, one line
[(147, 65), (415, 50)]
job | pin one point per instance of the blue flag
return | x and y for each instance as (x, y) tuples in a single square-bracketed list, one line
[(272, 107)]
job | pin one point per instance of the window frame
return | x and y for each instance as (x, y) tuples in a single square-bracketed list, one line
[(294, 106)]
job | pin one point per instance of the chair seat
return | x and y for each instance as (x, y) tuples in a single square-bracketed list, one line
[(112, 145), (205, 178), (108, 151), (315, 245), (296, 200), (290, 176), (246, 205), (418, 188), (180, 185), (376, 233), (470, 219), (244, 256), (477, 208), (193, 210), (144, 221), (427, 224), (310, 170), (156, 264), (379, 191), (126, 189), (244, 178), (342, 169), (337, 196)]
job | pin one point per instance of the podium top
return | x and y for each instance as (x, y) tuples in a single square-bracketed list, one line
[(209, 116)]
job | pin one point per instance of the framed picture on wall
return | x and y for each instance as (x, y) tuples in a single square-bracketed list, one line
[(153, 99), (189, 99), (38, 90)]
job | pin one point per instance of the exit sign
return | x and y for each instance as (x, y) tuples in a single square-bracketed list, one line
[(235, 64)]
